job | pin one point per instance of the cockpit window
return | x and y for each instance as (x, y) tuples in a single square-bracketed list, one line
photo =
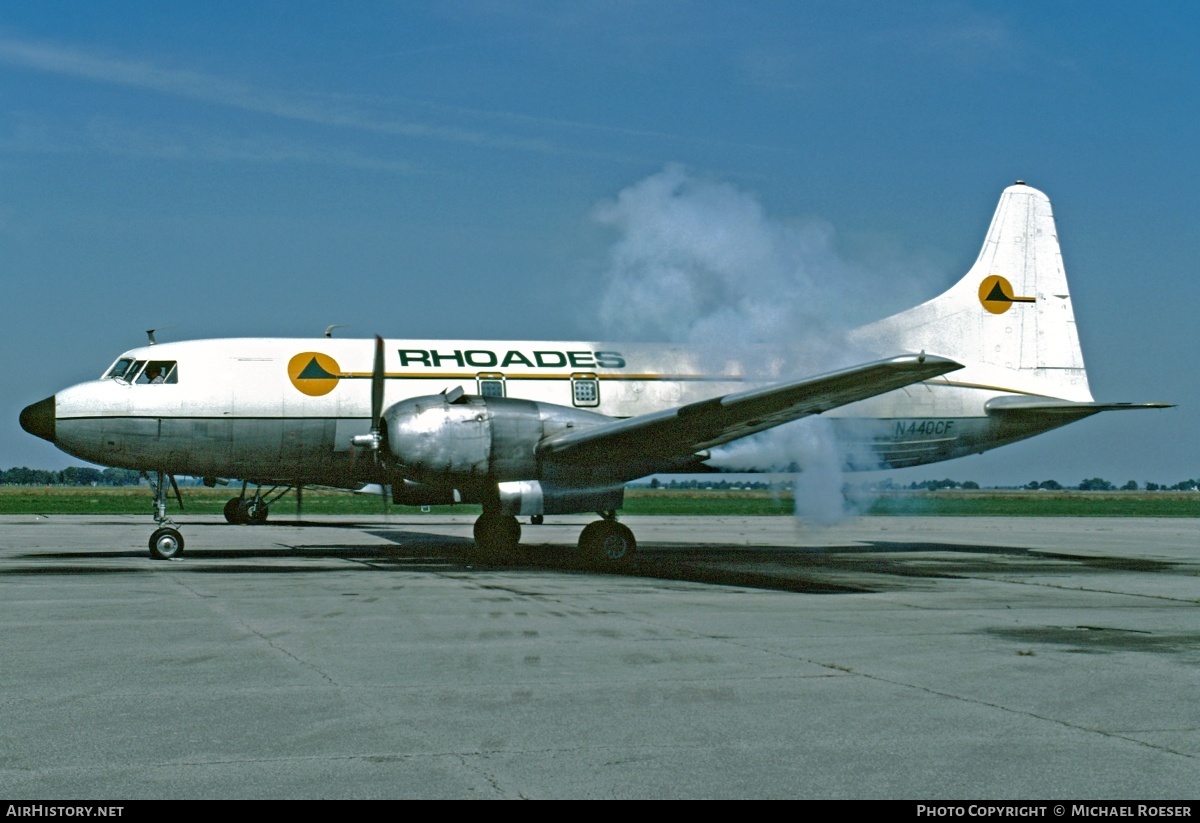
[(144, 372), (159, 371), (124, 369)]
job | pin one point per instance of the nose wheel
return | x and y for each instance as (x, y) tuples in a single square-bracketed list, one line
[(166, 543)]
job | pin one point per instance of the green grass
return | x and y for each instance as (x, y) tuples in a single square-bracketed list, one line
[(196, 500), (136, 500), (949, 503), (1041, 504)]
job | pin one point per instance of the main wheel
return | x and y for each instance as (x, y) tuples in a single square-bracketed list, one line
[(251, 513), (166, 543), (497, 532), (233, 511), (607, 543), (536, 519)]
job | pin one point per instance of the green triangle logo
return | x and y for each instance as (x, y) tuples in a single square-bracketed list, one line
[(997, 294), (314, 371)]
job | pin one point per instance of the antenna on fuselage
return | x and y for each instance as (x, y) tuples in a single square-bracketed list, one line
[(329, 329), (150, 333)]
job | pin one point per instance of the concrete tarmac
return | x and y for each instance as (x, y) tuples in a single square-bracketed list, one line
[(921, 658)]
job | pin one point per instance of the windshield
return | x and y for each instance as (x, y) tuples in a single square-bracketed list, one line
[(129, 370), (121, 370)]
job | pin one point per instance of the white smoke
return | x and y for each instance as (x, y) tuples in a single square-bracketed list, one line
[(700, 262)]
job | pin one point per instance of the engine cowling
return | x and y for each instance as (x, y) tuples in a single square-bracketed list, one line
[(408, 493), (448, 440), (535, 497)]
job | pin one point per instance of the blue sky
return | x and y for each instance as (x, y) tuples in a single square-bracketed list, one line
[(445, 170)]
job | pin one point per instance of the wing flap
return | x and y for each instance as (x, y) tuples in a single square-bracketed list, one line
[(681, 432)]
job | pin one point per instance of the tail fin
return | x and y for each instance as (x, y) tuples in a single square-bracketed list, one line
[(1011, 312)]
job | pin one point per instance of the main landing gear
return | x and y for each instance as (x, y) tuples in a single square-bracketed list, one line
[(604, 543), (496, 533), (166, 543), (242, 512), (608, 543), (253, 511)]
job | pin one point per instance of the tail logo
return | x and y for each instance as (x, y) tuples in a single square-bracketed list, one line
[(996, 294), (313, 373)]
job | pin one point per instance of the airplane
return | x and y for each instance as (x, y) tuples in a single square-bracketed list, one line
[(535, 428)]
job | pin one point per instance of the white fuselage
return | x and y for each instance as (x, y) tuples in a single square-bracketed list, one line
[(245, 408)]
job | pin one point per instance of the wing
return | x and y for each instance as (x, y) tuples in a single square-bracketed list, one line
[(677, 434)]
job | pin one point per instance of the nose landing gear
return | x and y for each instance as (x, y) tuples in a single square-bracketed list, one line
[(166, 543)]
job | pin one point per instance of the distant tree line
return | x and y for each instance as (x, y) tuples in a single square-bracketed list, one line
[(1099, 484), (934, 485), (1088, 484), (70, 476), (715, 485)]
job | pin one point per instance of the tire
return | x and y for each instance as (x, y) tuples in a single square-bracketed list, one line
[(233, 511), (258, 514), (607, 543), (251, 513), (166, 543), (497, 532)]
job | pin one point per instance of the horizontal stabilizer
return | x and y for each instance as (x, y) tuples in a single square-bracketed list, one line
[(1016, 406), (681, 432)]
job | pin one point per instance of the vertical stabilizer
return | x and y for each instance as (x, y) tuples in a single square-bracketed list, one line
[(1010, 318)]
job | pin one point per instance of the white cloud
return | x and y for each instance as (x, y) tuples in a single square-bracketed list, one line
[(325, 110)]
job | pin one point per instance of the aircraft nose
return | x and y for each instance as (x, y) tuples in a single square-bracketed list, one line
[(39, 419)]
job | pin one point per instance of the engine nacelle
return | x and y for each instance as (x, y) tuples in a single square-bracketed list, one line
[(452, 440), (534, 497), (408, 493)]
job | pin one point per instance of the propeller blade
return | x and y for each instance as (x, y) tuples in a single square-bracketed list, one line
[(377, 386), (371, 441)]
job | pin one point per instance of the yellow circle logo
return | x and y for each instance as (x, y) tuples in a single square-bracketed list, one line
[(996, 294), (314, 373)]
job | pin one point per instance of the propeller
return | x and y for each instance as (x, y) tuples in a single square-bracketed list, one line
[(374, 439)]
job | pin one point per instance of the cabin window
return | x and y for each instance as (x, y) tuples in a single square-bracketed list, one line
[(491, 384), (585, 390), (159, 371)]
